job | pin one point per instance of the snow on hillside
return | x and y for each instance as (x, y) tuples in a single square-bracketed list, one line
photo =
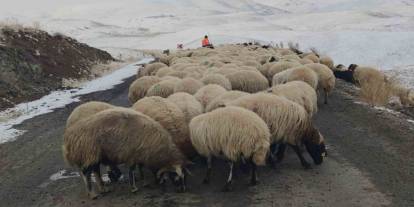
[(370, 32)]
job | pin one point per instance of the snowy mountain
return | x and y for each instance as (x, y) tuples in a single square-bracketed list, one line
[(369, 32)]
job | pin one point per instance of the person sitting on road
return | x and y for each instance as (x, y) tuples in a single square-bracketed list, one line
[(206, 43)]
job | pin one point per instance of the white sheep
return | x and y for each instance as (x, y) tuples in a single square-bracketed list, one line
[(298, 92), (188, 85), (188, 104), (150, 69), (248, 81), (171, 117), (326, 78), (301, 73), (223, 99), (217, 79), (138, 89), (279, 67), (207, 93), (233, 133), (163, 88), (326, 60)]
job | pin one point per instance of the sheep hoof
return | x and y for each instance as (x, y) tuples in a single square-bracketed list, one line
[(307, 166), (227, 188), (206, 181), (134, 190), (254, 182), (93, 195), (105, 190), (145, 185)]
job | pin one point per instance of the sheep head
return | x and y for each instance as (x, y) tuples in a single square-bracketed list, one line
[(315, 145)]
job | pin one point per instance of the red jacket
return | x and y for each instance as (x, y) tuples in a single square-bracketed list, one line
[(205, 42)]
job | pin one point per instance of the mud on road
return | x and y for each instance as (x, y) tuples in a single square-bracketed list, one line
[(370, 163)]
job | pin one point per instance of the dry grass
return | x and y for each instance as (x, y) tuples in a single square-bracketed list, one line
[(96, 71), (377, 92)]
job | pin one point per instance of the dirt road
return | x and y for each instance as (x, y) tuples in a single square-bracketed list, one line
[(370, 163)]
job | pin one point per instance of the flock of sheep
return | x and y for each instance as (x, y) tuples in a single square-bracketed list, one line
[(240, 103)]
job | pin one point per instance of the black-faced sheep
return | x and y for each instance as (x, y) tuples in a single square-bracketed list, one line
[(288, 122), (120, 136)]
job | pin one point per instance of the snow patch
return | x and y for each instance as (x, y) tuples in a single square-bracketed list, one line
[(57, 99), (64, 174)]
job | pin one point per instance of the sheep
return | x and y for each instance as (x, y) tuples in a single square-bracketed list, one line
[(207, 93), (188, 104), (163, 88), (233, 133), (288, 122), (178, 74), (326, 78), (366, 75), (279, 67), (138, 89), (120, 136), (312, 57), (171, 117), (301, 73), (150, 69), (326, 60), (248, 81), (217, 79), (405, 95), (86, 110), (298, 92), (224, 98), (305, 61), (164, 71), (189, 85)]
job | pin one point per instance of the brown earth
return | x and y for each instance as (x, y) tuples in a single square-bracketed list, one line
[(370, 163), (33, 63)]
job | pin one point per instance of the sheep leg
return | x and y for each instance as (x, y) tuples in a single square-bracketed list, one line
[(86, 176), (114, 173), (132, 181), (305, 164), (326, 97), (254, 179), (227, 187), (281, 152), (99, 181), (272, 155), (208, 173)]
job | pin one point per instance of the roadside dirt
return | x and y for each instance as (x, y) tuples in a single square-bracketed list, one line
[(370, 163), (34, 62)]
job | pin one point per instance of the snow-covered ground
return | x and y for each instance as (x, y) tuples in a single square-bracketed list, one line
[(13, 116), (369, 32)]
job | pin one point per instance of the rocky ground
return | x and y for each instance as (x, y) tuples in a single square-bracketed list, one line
[(370, 163), (33, 63)]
